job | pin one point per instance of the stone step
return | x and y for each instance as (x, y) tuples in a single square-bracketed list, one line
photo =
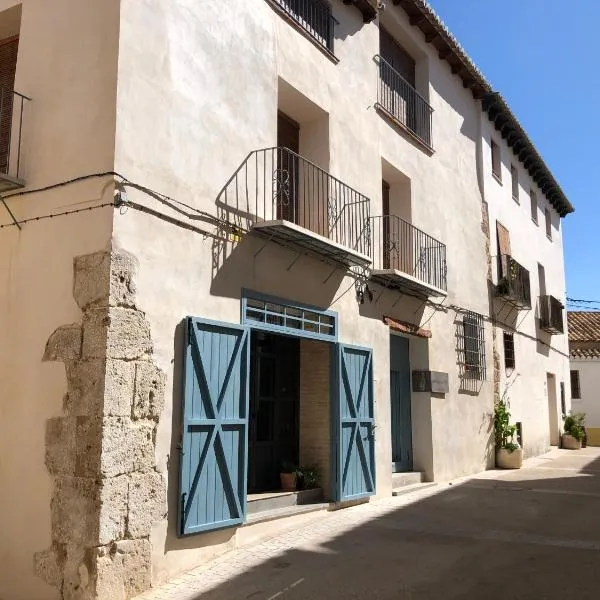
[(400, 480), (258, 503), (414, 487), (287, 511)]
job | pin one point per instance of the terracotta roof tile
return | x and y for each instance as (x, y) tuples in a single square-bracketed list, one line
[(584, 326), (585, 353)]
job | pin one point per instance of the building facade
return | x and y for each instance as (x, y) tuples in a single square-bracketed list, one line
[(584, 347), (242, 235)]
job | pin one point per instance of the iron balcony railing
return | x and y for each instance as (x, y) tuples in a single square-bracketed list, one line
[(513, 282), (401, 246), (314, 16), (551, 315), (12, 106), (400, 99), (276, 184)]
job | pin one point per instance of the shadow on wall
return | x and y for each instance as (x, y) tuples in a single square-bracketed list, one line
[(486, 538), (393, 303), (348, 22)]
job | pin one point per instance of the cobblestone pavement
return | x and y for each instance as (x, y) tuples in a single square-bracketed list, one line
[(527, 534)]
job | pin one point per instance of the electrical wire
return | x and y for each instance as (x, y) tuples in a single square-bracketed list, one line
[(60, 214)]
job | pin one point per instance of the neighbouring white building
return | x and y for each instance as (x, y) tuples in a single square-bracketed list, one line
[(243, 234), (584, 346)]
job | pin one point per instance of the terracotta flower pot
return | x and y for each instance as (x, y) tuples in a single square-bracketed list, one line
[(509, 460), (288, 482), (570, 443)]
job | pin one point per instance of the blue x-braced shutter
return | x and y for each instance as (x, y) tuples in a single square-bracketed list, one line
[(354, 423), (215, 426)]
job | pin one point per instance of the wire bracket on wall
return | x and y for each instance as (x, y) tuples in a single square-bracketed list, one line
[(12, 216)]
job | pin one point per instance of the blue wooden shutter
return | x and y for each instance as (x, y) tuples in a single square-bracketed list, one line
[(354, 441), (215, 426)]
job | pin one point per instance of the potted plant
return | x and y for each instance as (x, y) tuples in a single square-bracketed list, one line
[(509, 455), (308, 478), (287, 476), (574, 431)]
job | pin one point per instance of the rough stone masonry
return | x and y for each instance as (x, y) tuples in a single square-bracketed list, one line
[(101, 452)]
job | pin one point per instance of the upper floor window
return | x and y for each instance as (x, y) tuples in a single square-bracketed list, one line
[(514, 176), (534, 206), (313, 16), (575, 386), (548, 224), (509, 351), (397, 95), (496, 162)]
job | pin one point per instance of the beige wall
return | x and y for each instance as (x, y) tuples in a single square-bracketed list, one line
[(191, 107), (68, 131), (530, 399)]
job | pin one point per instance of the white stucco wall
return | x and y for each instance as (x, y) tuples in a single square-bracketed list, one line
[(589, 384), (528, 393), (67, 65), (191, 106)]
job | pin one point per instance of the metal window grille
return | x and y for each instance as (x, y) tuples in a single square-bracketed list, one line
[(575, 387), (314, 16), (509, 350), (275, 315), (473, 346)]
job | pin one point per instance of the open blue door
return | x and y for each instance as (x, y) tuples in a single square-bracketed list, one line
[(353, 423), (215, 426)]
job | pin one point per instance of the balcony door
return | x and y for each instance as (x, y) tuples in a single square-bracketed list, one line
[(288, 138), (8, 66), (399, 90)]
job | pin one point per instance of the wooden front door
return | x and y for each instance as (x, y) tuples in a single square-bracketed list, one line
[(288, 139), (400, 398), (274, 409)]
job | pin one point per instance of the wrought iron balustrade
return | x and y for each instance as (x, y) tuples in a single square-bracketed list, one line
[(12, 105), (551, 315), (314, 16), (276, 184), (400, 99), (400, 246), (513, 282)]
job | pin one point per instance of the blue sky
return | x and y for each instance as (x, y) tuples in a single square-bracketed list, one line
[(544, 57)]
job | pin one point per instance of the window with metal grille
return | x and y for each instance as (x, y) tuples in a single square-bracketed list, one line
[(474, 346), (274, 314), (496, 162), (514, 175), (509, 350), (575, 387), (534, 206)]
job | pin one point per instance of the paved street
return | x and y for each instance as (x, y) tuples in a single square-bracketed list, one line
[(528, 534)]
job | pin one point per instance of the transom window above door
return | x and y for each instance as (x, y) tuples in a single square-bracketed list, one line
[(276, 314)]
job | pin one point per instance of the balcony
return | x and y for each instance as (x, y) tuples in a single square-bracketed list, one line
[(551, 315), (405, 257), (313, 17), (285, 197), (513, 282), (12, 106), (399, 100)]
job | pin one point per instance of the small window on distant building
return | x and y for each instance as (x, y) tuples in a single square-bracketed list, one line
[(534, 207), (496, 163), (575, 387), (514, 174), (548, 224), (509, 350)]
